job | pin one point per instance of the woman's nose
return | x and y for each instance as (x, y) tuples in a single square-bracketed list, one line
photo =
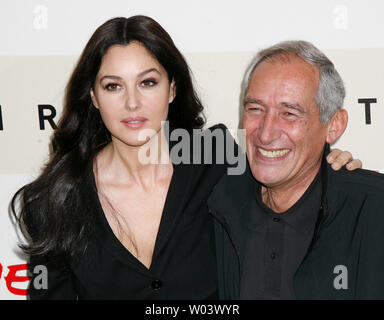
[(132, 99)]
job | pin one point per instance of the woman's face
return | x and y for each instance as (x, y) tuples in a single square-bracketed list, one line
[(132, 93)]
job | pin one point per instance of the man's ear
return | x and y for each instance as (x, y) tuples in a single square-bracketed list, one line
[(172, 91), (94, 100), (337, 125)]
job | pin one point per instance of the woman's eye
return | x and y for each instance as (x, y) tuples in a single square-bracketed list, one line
[(148, 83), (112, 87)]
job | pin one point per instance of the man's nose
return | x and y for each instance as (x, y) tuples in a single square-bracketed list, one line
[(269, 129)]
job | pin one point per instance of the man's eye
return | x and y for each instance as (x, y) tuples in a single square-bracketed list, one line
[(253, 109), (112, 87), (289, 115)]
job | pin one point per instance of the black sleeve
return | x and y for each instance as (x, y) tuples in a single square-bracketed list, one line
[(217, 146), (50, 280), (228, 151)]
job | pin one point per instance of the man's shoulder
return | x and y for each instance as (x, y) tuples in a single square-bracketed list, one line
[(359, 180), (354, 207), (357, 194)]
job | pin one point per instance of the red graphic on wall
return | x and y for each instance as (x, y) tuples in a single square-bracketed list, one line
[(12, 277)]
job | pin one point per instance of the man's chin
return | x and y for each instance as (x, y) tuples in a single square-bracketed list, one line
[(268, 178)]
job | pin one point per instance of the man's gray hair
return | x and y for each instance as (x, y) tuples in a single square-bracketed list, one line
[(330, 93)]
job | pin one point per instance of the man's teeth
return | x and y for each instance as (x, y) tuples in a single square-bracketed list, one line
[(134, 121), (274, 153)]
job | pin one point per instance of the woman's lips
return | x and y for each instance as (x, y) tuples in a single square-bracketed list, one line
[(134, 122)]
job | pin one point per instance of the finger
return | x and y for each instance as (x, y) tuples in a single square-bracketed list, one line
[(333, 155), (354, 164), (342, 159)]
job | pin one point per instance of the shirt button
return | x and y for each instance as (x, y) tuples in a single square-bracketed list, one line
[(276, 219), (273, 255), (156, 285)]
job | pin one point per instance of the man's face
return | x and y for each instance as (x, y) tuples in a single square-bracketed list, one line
[(285, 137)]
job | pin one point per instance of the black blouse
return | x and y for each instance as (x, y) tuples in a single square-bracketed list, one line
[(183, 264)]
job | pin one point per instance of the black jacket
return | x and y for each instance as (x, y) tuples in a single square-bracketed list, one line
[(349, 233)]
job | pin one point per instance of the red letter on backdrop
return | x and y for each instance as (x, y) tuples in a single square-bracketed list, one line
[(12, 277)]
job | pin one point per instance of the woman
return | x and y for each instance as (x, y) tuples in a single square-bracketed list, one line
[(104, 224)]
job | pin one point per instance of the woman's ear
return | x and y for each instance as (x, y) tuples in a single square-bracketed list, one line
[(93, 98), (337, 125), (172, 91)]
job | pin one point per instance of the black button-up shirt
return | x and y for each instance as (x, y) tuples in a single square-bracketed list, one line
[(277, 244)]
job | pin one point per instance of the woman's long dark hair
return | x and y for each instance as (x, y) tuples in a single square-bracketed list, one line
[(51, 212)]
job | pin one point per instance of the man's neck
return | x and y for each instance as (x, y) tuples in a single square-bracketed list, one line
[(281, 198)]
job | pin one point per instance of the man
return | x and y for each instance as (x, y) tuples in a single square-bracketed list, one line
[(291, 227)]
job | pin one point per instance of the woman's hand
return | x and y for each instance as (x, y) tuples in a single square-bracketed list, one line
[(338, 158)]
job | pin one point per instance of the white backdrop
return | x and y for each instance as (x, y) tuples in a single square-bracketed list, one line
[(41, 40)]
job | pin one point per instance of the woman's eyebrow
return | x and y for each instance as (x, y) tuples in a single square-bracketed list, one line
[(110, 77), (148, 71), (114, 77)]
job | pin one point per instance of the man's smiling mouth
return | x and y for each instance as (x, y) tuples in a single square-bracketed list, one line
[(273, 153)]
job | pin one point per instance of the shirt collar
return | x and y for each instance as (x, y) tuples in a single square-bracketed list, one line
[(301, 216)]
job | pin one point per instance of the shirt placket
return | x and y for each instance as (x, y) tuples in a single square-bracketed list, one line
[(274, 257)]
